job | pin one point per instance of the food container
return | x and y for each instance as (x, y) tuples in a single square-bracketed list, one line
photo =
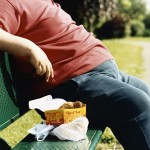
[(61, 116)]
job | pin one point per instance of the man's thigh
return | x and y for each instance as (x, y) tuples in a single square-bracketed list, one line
[(111, 101), (134, 81)]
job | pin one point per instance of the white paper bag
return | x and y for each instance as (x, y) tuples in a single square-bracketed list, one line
[(74, 131)]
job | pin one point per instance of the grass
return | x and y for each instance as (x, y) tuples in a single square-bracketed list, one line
[(146, 39), (21, 126), (128, 57), (129, 60)]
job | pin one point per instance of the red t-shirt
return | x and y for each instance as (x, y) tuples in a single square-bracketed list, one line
[(70, 48)]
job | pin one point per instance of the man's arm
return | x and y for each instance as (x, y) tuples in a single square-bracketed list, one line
[(23, 47)]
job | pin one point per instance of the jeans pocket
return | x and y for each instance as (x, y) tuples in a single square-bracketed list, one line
[(79, 80)]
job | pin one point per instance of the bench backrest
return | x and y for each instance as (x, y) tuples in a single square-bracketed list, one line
[(8, 105)]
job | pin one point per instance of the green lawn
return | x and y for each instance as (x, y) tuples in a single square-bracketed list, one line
[(129, 60), (128, 57), (146, 39)]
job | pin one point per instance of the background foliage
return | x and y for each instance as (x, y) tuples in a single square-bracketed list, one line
[(125, 17)]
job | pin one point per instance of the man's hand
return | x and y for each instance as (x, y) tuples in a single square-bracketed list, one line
[(41, 63)]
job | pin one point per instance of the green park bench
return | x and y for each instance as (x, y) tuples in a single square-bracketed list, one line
[(13, 126)]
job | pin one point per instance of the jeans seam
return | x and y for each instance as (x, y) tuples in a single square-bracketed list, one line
[(142, 131)]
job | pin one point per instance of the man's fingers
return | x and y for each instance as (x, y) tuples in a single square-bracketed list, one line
[(47, 76), (49, 72), (43, 70), (52, 72), (38, 69), (44, 67)]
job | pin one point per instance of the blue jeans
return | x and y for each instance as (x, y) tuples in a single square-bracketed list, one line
[(114, 99)]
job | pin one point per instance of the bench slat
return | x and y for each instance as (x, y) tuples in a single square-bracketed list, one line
[(52, 143)]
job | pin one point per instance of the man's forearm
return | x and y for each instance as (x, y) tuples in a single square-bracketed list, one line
[(13, 44)]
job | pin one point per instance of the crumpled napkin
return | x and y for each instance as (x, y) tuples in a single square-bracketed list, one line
[(74, 131)]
